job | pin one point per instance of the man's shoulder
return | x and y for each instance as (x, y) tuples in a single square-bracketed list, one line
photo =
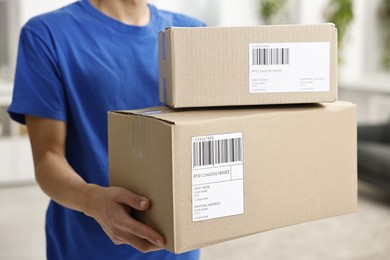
[(58, 17), (177, 19)]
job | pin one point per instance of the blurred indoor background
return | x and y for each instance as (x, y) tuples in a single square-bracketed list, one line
[(364, 78)]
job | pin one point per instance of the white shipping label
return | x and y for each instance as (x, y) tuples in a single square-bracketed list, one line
[(217, 176), (289, 67)]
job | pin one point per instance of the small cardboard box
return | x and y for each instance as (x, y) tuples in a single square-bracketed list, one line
[(216, 175), (232, 66)]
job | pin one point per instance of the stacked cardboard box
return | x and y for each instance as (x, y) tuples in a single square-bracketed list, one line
[(215, 174), (203, 67)]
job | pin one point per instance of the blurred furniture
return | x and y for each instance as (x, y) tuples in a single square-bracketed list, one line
[(374, 154)]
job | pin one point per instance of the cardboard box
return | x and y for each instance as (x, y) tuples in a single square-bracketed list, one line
[(232, 66), (273, 167)]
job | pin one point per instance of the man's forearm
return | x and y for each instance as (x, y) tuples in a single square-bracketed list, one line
[(109, 206), (61, 183)]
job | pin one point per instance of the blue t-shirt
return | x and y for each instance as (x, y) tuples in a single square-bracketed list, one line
[(74, 65)]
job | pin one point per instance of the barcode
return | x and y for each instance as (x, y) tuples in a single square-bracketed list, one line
[(210, 153), (270, 56)]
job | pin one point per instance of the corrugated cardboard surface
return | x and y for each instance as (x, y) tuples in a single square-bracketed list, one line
[(140, 160), (299, 166), (202, 67)]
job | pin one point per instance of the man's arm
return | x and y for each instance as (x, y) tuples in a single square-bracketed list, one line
[(110, 206)]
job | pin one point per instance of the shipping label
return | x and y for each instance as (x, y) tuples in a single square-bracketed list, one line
[(217, 176), (289, 67)]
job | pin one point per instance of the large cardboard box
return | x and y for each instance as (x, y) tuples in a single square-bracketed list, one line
[(216, 175), (232, 66)]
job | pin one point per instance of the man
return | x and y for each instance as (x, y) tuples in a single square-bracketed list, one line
[(75, 64)]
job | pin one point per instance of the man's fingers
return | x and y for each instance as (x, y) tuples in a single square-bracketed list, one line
[(133, 200), (125, 229), (142, 244), (120, 237), (143, 231)]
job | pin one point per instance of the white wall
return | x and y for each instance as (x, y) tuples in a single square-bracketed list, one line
[(311, 11), (237, 13), (371, 34)]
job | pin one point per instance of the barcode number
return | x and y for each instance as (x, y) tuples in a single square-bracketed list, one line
[(270, 56), (210, 153)]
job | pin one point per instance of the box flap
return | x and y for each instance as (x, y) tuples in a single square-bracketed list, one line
[(190, 116)]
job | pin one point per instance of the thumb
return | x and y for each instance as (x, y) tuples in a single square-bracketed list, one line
[(133, 200)]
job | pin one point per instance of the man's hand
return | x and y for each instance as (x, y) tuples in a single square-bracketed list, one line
[(111, 208)]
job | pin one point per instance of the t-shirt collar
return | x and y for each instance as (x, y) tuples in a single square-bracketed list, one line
[(150, 27)]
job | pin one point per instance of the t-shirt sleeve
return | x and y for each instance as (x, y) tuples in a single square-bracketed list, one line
[(38, 87)]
